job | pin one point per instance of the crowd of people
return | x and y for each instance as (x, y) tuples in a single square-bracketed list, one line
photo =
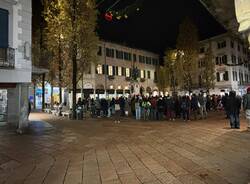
[(154, 108), (170, 108)]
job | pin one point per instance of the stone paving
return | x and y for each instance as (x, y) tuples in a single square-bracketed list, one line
[(57, 150)]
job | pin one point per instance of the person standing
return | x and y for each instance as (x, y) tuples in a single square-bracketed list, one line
[(202, 101), (246, 106), (194, 106), (117, 115), (122, 105), (224, 103), (137, 108), (234, 104)]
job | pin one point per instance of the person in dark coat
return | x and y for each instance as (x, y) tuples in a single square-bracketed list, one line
[(185, 108), (160, 108), (122, 105), (233, 106), (194, 106), (224, 103)]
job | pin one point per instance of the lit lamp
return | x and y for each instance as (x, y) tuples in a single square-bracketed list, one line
[(111, 87), (242, 9)]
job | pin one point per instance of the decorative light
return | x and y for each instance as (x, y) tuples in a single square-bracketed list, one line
[(111, 87), (108, 16), (119, 87)]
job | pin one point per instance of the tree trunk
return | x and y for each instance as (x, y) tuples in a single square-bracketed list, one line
[(74, 61), (60, 70), (51, 98), (34, 101), (43, 91)]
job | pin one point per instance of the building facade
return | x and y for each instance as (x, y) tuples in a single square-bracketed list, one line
[(231, 57), (15, 60), (113, 74)]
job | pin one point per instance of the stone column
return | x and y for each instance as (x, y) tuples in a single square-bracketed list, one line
[(18, 106)]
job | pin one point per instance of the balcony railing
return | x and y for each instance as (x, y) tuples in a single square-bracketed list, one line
[(7, 58)]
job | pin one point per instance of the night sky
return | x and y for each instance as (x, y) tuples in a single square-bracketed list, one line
[(154, 27)]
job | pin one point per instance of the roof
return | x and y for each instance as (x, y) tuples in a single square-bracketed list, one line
[(39, 71)]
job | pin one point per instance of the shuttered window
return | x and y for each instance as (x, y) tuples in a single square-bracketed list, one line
[(4, 28)]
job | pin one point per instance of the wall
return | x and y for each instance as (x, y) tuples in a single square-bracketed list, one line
[(19, 34)]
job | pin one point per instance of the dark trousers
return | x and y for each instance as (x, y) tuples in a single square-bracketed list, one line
[(185, 114), (234, 120)]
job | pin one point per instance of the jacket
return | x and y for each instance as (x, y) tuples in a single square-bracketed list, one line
[(246, 101)]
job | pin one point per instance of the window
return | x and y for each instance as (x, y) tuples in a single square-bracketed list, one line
[(241, 78), (224, 59), (110, 52), (149, 75), (235, 76), (99, 69), (110, 70), (155, 61), (127, 56), (143, 59), (140, 59), (127, 72), (134, 57), (239, 60), (148, 60), (232, 44), (119, 54), (218, 76), (142, 74), (221, 60), (239, 48), (119, 71), (155, 76), (4, 28), (222, 44), (99, 51), (246, 78), (225, 76), (233, 57), (123, 71)]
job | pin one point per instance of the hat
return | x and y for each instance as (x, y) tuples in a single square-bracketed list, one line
[(248, 89)]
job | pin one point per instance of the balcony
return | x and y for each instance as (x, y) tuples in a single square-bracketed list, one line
[(111, 77), (7, 58)]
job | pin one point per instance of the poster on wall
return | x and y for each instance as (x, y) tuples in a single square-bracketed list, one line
[(39, 98)]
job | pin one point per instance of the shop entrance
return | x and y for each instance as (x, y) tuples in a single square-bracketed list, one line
[(3, 105)]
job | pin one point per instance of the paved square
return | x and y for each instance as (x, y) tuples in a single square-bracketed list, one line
[(101, 152)]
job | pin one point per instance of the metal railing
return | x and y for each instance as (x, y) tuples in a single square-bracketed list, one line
[(7, 58)]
